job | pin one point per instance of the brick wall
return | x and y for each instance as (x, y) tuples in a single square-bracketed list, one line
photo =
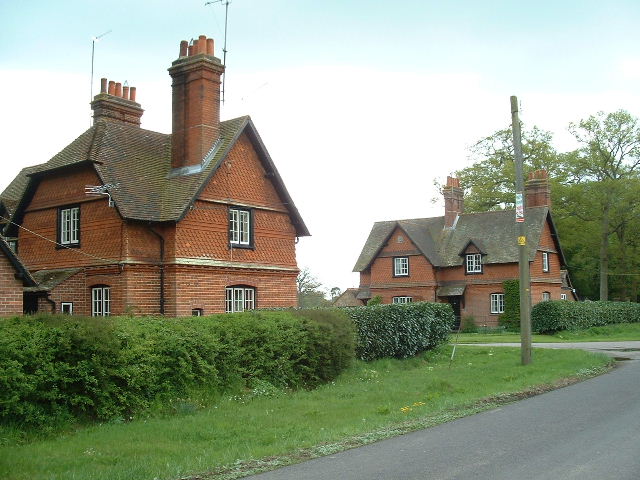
[(10, 288)]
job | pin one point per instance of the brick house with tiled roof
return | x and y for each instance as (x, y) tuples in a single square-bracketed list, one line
[(197, 221), (464, 258), (14, 277)]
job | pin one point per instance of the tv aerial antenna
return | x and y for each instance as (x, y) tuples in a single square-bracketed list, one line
[(101, 190), (93, 51), (224, 47)]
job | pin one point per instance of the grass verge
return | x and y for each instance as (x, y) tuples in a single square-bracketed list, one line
[(606, 333), (265, 428)]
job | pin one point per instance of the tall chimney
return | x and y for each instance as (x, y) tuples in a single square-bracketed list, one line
[(114, 104), (453, 201), (196, 102), (537, 190)]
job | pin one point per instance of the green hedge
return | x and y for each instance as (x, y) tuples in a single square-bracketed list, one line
[(55, 368), (510, 319), (553, 316), (400, 331)]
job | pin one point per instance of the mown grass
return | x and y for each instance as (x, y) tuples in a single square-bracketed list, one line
[(371, 401), (614, 332)]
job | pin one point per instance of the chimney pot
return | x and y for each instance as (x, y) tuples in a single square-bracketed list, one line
[(202, 44), (184, 47), (453, 201), (119, 90), (103, 85), (210, 46), (112, 87), (132, 94), (125, 93), (190, 50)]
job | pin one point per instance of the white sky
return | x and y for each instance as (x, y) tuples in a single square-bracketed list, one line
[(361, 104)]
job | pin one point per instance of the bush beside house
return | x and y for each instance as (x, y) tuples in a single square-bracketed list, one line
[(553, 316)]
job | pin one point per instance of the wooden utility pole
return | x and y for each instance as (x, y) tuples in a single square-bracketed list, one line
[(523, 254)]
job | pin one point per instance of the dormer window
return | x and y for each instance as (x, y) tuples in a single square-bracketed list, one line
[(473, 263), (401, 266)]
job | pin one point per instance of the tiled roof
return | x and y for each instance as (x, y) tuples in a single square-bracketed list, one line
[(494, 233), (49, 279), (139, 162)]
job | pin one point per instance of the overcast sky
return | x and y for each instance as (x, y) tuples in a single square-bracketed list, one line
[(361, 104)]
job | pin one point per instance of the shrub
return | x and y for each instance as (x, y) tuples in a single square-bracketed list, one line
[(375, 300), (510, 319), (556, 315), (400, 331), (54, 369)]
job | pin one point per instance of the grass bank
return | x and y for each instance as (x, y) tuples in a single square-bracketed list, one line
[(606, 333), (234, 437)]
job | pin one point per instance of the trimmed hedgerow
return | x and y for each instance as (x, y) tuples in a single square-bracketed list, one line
[(553, 316), (400, 331), (55, 369), (510, 319)]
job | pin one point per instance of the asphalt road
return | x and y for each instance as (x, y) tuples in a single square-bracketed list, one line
[(587, 431)]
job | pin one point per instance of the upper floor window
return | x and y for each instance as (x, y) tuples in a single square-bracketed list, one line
[(240, 227), (401, 267), (497, 303), (240, 298), (402, 299), (100, 301), (473, 263), (546, 296), (545, 261), (13, 245), (69, 226)]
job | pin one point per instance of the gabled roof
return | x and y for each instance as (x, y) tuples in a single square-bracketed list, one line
[(21, 271), (494, 233), (139, 162)]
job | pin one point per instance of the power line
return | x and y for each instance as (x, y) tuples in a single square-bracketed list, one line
[(73, 249)]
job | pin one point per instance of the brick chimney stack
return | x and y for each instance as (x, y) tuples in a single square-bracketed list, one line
[(196, 102), (537, 190), (453, 201), (116, 104)]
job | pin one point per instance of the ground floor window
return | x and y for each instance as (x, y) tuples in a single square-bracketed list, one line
[(546, 296), (67, 308), (563, 296), (402, 299), (497, 303), (240, 298), (197, 312), (100, 301)]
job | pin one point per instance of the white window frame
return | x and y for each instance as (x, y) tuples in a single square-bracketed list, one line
[(70, 226), (402, 300), (401, 266), (545, 261), (239, 227), (563, 296), (68, 305), (239, 299), (473, 262), (497, 303), (101, 301), (546, 296), (197, 312)]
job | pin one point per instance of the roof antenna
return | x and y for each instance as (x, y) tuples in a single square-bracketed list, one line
[(93, 49), (224, 48)]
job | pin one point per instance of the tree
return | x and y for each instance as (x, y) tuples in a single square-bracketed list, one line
[(335, 292), (310, 294), (607, 168), (489, 182)]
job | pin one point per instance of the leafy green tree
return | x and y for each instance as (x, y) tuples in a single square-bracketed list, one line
[(607, 170), (489, 182), (310, 293)]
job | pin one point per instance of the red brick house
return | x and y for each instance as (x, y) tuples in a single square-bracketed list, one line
[(464, 258), (198, 221)]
